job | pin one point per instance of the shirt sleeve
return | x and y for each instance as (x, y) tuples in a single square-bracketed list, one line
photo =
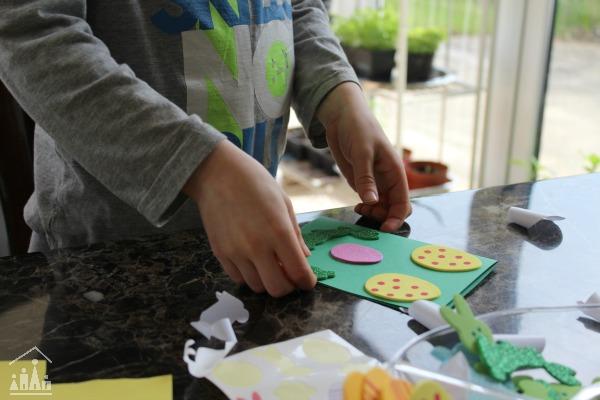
[(321, 65), (137, 143)]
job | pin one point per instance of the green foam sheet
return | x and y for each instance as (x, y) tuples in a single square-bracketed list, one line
[(396, 252)]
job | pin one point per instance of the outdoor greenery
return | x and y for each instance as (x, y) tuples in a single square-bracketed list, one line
[(374, 29), (465, 15), (575, 19), (537, 171), (424, 40), (534, 169), (578, 19), (377, 29), (592, 162)]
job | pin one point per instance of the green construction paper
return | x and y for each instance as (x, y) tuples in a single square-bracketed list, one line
[(396, 252)]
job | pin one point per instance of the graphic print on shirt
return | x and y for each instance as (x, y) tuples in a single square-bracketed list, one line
[(226, 77)]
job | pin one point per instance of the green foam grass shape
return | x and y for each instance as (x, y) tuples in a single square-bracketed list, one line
[(503, 358), (543, 390), (465, 324), (322, 274), (320, 236)]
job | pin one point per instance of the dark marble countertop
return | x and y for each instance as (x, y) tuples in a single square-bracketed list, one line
[(154, 286)]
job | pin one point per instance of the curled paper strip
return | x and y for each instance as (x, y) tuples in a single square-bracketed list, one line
[(215, 321), (427, 313), (527, 218), (201, 361), (221, 329), (211, 322), (594, 313)]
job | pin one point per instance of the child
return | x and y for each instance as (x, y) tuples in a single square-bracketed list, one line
[(133, 101)]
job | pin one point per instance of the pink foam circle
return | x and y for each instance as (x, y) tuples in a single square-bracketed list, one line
[(356, 254)]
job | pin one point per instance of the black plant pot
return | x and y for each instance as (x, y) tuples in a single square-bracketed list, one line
[(378, 64), (418, 68), (371, 64)]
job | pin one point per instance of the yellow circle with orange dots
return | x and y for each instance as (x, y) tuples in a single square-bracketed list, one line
[(399, 287), (443, 258)]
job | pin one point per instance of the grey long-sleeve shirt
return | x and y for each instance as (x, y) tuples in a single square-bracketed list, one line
[(129, 96)]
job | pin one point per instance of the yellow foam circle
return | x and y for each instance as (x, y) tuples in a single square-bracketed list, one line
[(399, 287), (240, 374), (325, 351), (443, 258), (429, 390), (294, 390)]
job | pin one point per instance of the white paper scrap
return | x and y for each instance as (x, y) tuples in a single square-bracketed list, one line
[(216, 321), (588, 392), (527, 218), (211, 322), (592, 312), (202, 360), (427, 313)]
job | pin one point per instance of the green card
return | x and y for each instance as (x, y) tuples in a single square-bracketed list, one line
[(396, 252)]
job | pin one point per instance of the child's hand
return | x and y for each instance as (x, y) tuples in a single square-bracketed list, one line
[(368, 161), (250, 223)]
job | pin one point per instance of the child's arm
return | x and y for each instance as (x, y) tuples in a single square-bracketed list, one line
[(330, 104), (370, 164), (320, 65), (133, 140), (250, 222), (143, 147)]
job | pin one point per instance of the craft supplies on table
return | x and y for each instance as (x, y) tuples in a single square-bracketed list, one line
[(482, 364), (423, 271)]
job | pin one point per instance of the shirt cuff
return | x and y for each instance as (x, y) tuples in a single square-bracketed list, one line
[(164, 197)]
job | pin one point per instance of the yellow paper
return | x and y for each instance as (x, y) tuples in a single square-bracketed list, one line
[(17, 378), (154, 388)]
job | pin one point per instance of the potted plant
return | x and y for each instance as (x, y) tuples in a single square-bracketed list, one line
[(369, 40), (422, 174), (422, 45)]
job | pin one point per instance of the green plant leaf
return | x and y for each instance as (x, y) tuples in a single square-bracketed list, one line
[(593, 162), (424, 40), (377, 29)]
